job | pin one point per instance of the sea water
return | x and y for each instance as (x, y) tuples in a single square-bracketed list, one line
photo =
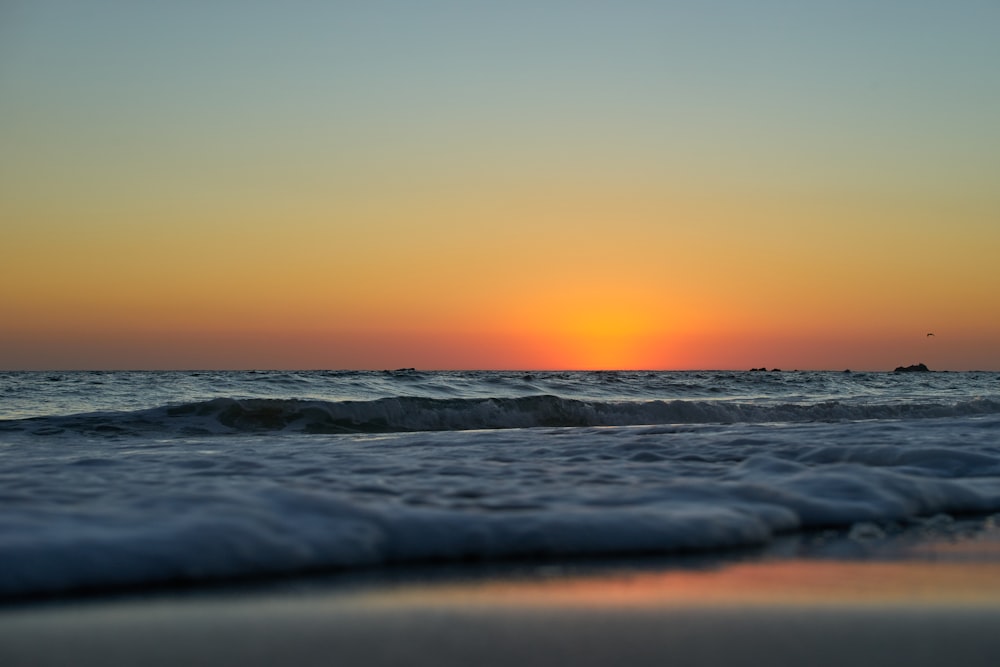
[(112, 479)]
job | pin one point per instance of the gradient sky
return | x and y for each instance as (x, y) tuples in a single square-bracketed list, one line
[(545, 184)]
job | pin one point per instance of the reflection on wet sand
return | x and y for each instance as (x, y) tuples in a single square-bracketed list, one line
[(947, 572), (771, 583)]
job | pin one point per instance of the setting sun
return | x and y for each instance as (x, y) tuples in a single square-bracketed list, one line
[(588, 326), (602, 338)]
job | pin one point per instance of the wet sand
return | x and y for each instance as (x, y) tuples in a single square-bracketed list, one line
[(930, 601)]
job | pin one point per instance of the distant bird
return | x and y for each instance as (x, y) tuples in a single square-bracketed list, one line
[(930, 334)]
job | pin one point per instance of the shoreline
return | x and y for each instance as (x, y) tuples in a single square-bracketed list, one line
[(917, 597), (920, 538)]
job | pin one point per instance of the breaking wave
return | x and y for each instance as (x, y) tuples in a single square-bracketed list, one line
[(407, 414)]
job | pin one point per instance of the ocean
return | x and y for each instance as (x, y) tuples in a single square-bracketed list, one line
[(122, 480)]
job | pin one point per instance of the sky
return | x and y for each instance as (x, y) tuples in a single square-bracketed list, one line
[(529, 185)]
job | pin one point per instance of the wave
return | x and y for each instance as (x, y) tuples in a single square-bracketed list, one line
[(406, 414), (140, 511), (204, 533)]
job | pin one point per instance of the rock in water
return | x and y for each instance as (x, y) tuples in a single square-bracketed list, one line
[(915, 368)]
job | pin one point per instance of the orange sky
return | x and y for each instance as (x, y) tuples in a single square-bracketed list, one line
[(653, 188)]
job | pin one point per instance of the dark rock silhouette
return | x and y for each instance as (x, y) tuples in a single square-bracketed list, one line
[(915, 368)]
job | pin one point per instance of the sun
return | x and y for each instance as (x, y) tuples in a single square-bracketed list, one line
[(604, 338), (592, 331)]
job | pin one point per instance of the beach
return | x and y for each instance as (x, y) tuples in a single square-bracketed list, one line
[(916, 600), (514, 333)]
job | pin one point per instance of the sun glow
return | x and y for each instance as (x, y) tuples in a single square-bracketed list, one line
[(595, 329), (605, 338), (444, 205)]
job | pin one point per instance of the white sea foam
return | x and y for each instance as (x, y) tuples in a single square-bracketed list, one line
[(112, 511)]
